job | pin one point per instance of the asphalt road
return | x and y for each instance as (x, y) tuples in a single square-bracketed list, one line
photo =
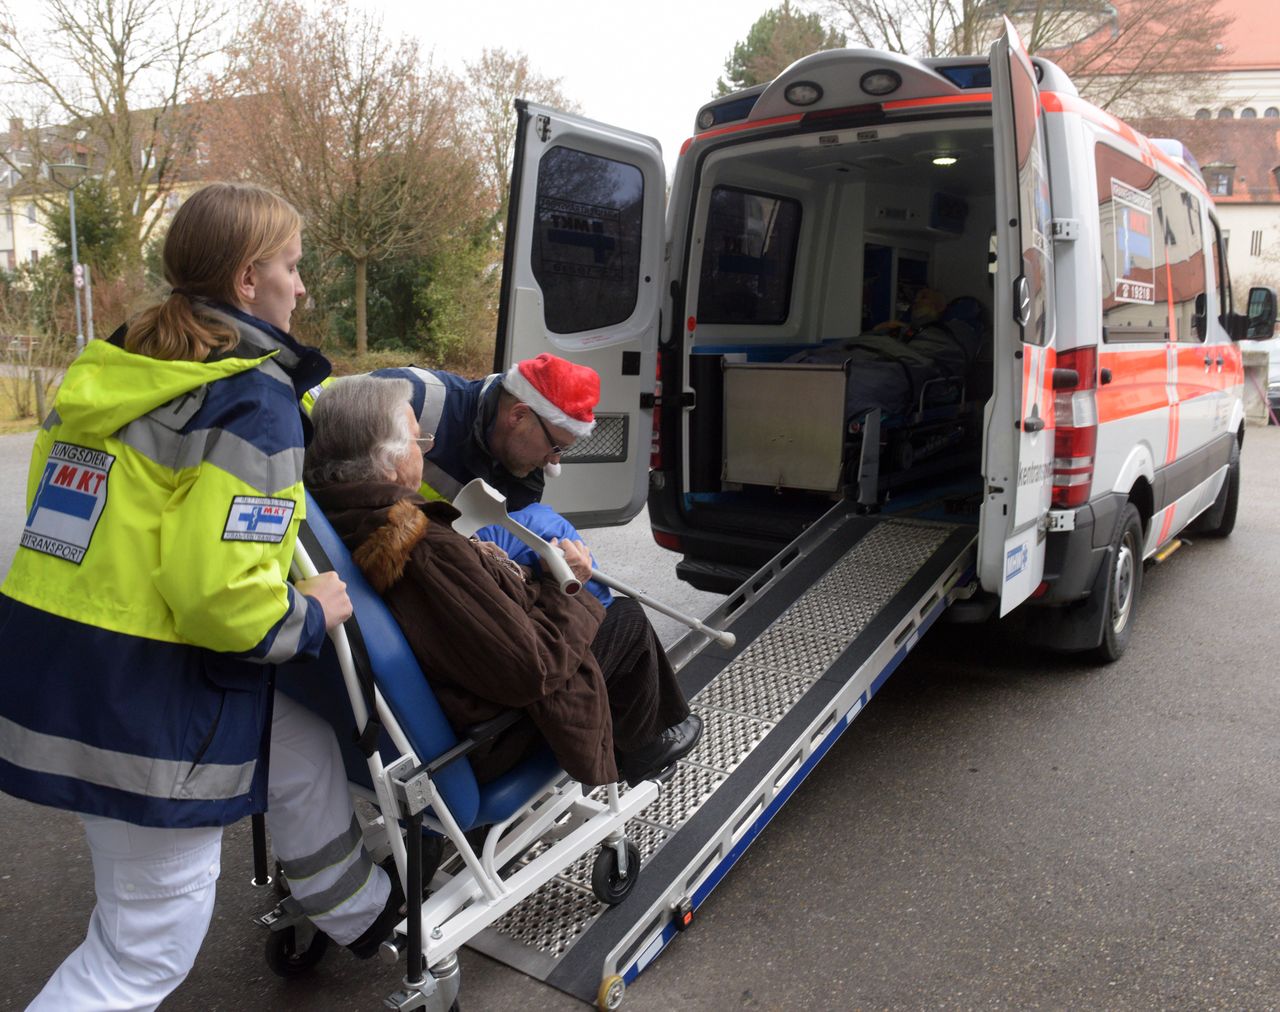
[(1000, 828)]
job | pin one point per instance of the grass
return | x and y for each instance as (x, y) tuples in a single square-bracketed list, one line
[(10, 423)]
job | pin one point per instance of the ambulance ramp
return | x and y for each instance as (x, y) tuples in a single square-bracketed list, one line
[(818, 631)]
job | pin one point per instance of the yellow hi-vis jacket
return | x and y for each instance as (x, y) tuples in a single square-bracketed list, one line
[(148, 599)]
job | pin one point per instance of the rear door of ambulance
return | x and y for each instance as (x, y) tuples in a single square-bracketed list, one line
[(582, 279), (1017, 461)]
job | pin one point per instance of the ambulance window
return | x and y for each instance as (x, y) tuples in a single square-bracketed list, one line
[(748, 258), (1220, 273), (586, 245), (1134, 288), (1178, 219)]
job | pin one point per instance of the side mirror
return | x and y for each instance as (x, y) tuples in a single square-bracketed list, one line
[(1259, 323)]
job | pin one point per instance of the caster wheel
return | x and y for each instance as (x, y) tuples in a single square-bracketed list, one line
[(287, 958), (611, 888), (609, 997)]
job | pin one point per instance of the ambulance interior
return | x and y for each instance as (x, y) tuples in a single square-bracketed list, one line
[(832, 277)]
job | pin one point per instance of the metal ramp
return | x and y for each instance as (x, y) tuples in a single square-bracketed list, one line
[(818, 629)]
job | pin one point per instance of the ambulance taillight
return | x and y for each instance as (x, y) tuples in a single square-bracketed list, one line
[(1076, 437)]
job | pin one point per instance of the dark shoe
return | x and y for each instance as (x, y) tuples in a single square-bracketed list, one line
[(367, 945), (650, 761)]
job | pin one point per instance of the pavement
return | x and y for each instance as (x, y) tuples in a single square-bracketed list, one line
[(1001, 828)]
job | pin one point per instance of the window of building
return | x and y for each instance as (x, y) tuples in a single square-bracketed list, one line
[(31, 213), (1248, 113), (1255, 243), (1133, 276), (748, 259), (35, 257), (1203, 114), (586, 241), (10, 261), (1225, 113), (1272, 112), (1218, 180)]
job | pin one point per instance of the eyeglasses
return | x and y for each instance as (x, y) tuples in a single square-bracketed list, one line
[(556, 448), (426, 442)]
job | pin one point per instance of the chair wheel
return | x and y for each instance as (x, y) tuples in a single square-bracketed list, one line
[(610, 888), (288, 958)]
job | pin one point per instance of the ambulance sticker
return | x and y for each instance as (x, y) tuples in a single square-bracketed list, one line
[(1015, 561), (255, 518), (68, 502), (1134, 272)]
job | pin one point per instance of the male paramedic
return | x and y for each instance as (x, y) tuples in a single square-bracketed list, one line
[(508, 428)]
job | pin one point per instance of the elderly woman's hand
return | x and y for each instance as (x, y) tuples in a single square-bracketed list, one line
[(577, 556)]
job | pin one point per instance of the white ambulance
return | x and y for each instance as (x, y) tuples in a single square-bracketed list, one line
[(934, 337), (946, 290)]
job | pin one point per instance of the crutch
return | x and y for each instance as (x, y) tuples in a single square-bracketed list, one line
[(481, 505)]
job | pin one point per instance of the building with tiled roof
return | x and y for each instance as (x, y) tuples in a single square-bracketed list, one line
[(1235, 136)]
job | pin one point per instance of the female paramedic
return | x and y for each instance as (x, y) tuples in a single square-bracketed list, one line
[(147, 606)]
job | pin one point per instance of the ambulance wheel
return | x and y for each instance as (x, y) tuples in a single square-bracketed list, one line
[(609, 997), (287, 959), (1219, 520), (1124, 585), (610, 888)]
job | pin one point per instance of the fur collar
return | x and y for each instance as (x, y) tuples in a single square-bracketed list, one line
[(385, 554)]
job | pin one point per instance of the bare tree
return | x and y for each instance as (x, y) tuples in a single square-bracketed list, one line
[(348, 124), (1130, 55), (105, 82), (496, 80)]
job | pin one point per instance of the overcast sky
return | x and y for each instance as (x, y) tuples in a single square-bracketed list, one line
[(645, 66)]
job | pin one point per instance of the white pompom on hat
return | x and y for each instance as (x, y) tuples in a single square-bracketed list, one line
[(560, 392)]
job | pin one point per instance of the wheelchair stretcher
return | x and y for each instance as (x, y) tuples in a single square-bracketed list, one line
[(406, 760)]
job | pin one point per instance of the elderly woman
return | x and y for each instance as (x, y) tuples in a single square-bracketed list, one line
[(488, 636)]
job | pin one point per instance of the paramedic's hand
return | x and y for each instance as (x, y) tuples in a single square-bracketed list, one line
[(328, 591), (577, 556)]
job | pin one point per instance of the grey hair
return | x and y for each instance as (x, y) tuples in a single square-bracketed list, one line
[(361, 432)]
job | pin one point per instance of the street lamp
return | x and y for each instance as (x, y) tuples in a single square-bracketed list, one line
[(69, 175)]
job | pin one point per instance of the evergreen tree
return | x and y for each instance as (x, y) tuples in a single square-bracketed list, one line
[(778, 38)]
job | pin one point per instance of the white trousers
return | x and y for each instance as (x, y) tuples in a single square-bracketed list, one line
[(155, 887)]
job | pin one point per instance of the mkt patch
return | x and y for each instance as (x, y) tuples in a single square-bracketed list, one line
[(68, 502), (258, 518)]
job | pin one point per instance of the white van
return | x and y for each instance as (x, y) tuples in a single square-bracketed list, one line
[(934, 337), (944, 289)]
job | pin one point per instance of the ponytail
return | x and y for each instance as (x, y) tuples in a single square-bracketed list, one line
[(218, 231), (175, 329)]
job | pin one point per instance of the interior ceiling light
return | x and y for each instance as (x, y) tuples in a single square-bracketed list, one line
[(803, 93), (881, 82), (944, 160)]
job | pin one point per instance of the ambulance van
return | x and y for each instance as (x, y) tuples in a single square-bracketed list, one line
[(937, 292)]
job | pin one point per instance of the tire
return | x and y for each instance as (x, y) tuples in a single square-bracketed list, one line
[(609, 888), (1124, 585), (284, 957), (1219, 520)]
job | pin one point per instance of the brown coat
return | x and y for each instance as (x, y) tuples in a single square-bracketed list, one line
[(487, 639)]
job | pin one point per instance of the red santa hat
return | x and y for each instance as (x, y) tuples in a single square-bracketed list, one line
[(560, 392)]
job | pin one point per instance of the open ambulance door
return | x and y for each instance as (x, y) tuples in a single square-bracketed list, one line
[(1017, 463), (582, 279)]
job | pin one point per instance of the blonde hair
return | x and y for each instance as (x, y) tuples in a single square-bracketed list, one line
[(218, 231)]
